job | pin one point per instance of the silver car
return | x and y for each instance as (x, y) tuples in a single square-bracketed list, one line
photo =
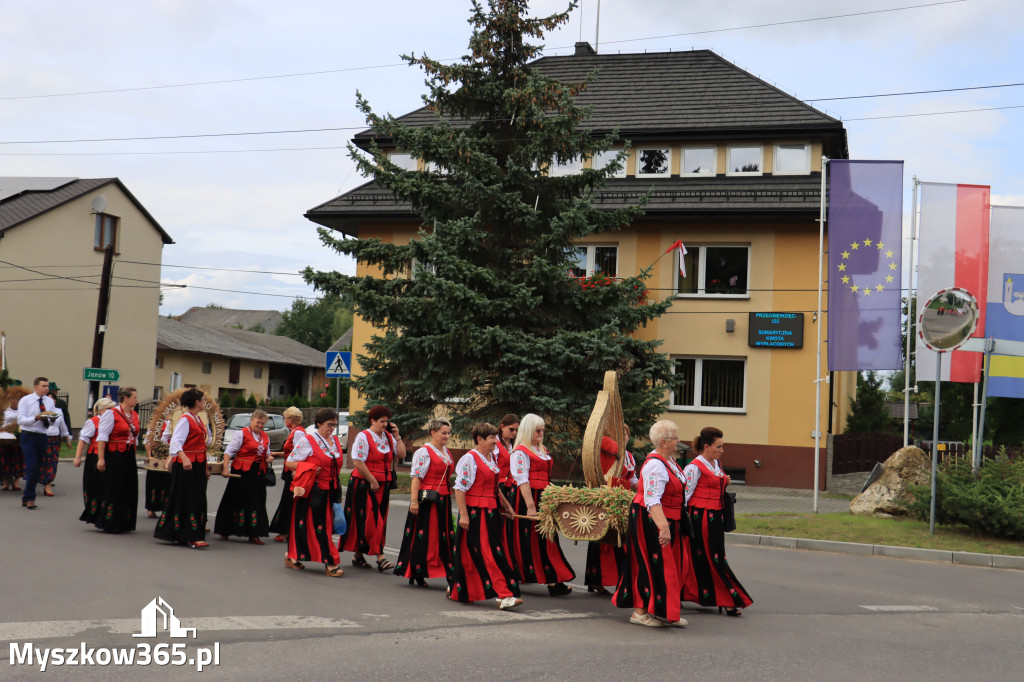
[(341, 432), (274, 427)]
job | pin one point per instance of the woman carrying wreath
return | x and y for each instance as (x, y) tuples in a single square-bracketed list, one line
[(711, 582), (283, 516), (481, 558), (184, 517), (538, 560), (243, 508), (427, 541), (116, 437), (156, 481), (92, 479), (604, 558), (366, 502)]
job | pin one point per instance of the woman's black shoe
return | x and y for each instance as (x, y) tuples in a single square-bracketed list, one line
[(599, 591), (559, 590)]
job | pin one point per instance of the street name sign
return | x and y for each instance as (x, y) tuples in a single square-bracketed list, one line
[(97, 374)]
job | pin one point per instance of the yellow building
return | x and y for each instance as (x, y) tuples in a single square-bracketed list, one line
[(52, 236), (732, 166)]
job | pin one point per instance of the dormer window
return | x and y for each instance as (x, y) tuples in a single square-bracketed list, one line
[(744, 159), (653, 162), (699, 161), (792, 158)]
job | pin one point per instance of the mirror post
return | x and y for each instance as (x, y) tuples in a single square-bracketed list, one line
[(935, 439)]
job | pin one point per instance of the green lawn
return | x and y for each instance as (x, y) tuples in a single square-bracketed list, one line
[(846, 527)]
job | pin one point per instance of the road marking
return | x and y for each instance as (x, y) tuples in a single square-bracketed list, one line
[(499, 616), (48, 629), (899, 608)]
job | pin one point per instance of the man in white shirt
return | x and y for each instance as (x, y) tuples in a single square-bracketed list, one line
[(35, 415)]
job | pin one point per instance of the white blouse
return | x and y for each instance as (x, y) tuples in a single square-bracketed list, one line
[(302, 448), (58, 427), (87, 432), (692, 474), (421, 460), (10, 416), (179, 435), (655, 477), (361, 446), (519, 463), (107, 424), (465, 470), (236, 442)]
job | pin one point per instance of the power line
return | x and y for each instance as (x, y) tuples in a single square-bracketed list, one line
[(202, 267), (186, 137), (916, 92), (201, 151), (934, 113)]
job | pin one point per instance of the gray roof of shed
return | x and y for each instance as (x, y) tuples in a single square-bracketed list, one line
[(229, 317), (31, 197), (180, 336)]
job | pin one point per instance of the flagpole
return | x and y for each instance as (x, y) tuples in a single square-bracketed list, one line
[(817, 370), (910, 318), (980, 441)]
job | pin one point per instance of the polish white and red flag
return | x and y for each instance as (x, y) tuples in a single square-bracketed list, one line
[(678, 245), (953, 251)]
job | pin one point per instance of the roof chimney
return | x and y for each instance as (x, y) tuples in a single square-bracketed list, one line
[(583, 49)]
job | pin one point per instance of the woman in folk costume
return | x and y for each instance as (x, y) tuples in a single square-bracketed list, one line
[(366, 502), (508, 427), (482, 568), (184, 517), (603, 558), (653, 573), (12, 462), (538, 560), (116, 437), (711, 582), (243, 507), (92, 479), (315, 462), (56, 434), (427, 541), (156, 481), (283, 516)]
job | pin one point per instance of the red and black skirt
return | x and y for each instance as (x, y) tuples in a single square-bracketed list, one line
[(651, 575), (427, 542), (12, 462), (603, 561), (120, 500), (92, 488), (537, 560), (711, 581), (184, 517), (366, 513), (310, 536), (480, 562), (156, 490), (282, 520), (48, 467), (243, 507)]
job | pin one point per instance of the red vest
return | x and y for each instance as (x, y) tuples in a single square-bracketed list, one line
[(540, 469), (484, 491), (289, 442), (328, 465), (125, 431), (251, 451), (377, 462), (436, 477), (504, 473), (674, 494), (96, 425), (708, 493), (194, 446)]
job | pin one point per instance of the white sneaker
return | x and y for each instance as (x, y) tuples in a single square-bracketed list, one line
[(509, 603)]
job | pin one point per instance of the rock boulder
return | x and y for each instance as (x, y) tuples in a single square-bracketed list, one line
[(905, 467)]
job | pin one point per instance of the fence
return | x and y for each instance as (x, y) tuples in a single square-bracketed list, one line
[(856, 452)]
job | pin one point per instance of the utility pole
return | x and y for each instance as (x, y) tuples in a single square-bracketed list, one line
[(101, 320)]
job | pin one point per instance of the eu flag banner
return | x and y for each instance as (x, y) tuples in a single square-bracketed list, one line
[(1005, 310), (865, 256)]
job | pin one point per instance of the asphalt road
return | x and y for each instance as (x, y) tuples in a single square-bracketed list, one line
[(816, 615)]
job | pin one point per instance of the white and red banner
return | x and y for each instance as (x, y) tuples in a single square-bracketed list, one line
[(678, 245), (953, 251)]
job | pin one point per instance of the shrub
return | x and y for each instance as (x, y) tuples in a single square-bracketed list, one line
[(251, 402), (225, 400)]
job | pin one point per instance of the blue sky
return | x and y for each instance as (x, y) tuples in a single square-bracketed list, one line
[(244, 209)]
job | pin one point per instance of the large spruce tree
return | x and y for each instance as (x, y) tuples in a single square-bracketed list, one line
[(491, 319)]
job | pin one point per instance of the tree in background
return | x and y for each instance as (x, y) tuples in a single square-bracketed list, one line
[(481, 312), (869, 412), (319, 323)]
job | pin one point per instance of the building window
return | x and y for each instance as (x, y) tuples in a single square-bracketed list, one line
[(593, 259), (653, 161), (234, 370), (257, 373), (602, 159), (159, 362), (207, 367), (744, 160), (709, 384), (158, 392), (560, 169), (699, 161), (404, 160), (106, 232), (714, 271), (792, 158)]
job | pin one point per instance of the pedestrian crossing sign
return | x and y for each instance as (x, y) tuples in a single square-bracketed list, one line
[(339, 364)]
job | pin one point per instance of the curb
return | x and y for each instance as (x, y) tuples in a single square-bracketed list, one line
[(916, 553)]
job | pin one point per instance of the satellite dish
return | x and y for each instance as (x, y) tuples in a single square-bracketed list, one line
[(99, 204)]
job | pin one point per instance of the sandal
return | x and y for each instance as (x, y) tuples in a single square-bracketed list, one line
[(360, 562), (384, 565), (734, 612), (294, 565), (681, 623), (199, 545), (509, 603), (255, 541), (279, 538), (335, 572), (645, 619), (599, 591), (559, 590)]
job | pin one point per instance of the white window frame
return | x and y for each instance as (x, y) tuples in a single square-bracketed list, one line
[(703, 271), (699, 381), (728, 159), (591, 257), (807, 159), (668, 161), (714, 163), (406, 159), (561, 170), (598, 162)]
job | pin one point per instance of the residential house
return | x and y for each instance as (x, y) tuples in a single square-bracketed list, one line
[(733, 168), (53, 232)]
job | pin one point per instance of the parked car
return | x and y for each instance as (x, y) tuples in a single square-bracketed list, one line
[(341, 432), (274, 427)]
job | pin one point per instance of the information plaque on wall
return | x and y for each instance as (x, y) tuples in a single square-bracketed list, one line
[(775, 330)]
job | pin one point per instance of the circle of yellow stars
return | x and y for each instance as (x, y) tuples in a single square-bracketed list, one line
[(867, 244)]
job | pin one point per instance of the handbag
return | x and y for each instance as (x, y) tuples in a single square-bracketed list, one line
[(340, 525), (269, 477), (728, 511), (433, 496)]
